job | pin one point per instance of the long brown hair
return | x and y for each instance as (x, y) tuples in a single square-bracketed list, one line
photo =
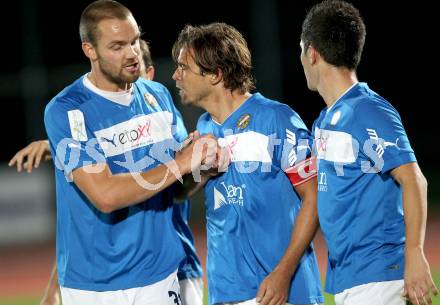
[(218, 46)]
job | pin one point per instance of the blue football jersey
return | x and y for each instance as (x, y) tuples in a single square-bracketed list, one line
[(359, 140), (190, 266), (133, 246), (251, 208)]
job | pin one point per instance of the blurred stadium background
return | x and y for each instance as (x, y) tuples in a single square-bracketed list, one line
[(41, 54)]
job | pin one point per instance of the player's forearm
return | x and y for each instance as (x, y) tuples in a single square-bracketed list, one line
[(189, 187), (52, 294), (414, 196), (303, 233), (145, 186), (110, 192)]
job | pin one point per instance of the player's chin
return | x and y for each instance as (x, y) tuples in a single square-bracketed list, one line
[(130, 77), (184, 99)]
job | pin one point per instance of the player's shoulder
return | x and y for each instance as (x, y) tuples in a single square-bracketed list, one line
[(71, 97), (276, 114), (151, 86), (269, 107), (372, 105), (158, 90), (362, 98)]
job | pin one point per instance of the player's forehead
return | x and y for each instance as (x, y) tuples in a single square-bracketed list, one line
[(117, 30), (186, 57)]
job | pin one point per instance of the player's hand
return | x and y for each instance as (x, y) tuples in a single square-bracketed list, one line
[(217, 163), (197, 151), (207, 151), (274, 289), (33, 154), (220, 164), (419, 286)]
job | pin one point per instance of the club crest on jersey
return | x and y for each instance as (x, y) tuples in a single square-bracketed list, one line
[(243, 121), (150, 99)]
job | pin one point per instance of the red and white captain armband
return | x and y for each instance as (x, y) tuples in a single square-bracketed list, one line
[(302, 172)]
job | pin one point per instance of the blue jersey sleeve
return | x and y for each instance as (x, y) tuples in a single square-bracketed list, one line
[(293, 155), (382, 139), (180, 133), (72, 144)]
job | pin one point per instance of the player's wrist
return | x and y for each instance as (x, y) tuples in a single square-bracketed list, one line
[(286, 269), (413, 248), (184, 167)]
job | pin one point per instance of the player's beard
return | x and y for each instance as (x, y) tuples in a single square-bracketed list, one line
[(193, 99), (120, 77)]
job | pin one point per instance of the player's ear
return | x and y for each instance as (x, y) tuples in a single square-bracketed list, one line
[(150, 73), (89, 50), (216, 78), (312, 54)]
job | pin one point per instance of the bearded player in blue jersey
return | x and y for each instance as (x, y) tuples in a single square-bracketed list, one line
[(190, 270), (372, 196), (270, 185), (113, 137)]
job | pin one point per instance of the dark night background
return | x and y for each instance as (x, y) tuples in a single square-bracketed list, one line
[(41, 54)]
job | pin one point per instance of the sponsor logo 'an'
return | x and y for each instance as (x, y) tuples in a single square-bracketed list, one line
[(322, 182), (234, 195)]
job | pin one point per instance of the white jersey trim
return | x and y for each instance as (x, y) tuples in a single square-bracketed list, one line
[(123, 98), (341, 96)]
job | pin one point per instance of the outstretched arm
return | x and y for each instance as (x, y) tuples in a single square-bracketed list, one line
[(110, 192)]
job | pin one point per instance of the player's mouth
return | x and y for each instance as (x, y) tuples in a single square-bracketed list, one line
[(181, 90), (134, 67)]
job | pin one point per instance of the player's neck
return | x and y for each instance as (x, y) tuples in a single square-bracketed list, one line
[(334, 83), (223, 105), (101, 82)]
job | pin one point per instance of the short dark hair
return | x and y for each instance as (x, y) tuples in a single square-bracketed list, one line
[(96, 12), (218, 46), (336, 30), (146, 54)]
